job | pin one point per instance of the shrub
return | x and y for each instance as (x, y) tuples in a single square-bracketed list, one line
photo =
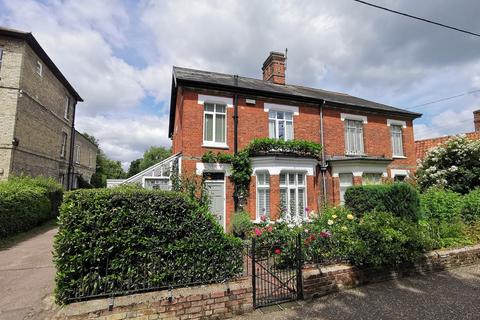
[(470, 210), (331, 236), (441, 209), (306, 148), (387, 240), (401, 199), (362, 199), (241, 224), (440, 205), (455, 165), (120, 239), (27, 202)]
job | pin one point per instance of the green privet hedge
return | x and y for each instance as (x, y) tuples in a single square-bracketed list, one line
[(27, 202), (387, 240), (401, 199), (123, 239)]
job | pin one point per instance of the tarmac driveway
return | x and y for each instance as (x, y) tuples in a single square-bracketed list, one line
[(26, 278), (448, 295)]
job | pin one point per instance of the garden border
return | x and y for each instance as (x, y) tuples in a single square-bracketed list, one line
[(224, 300)]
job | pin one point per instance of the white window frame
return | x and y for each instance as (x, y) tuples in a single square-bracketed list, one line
[(344, 185), (358, 142), (39, 68), (77, 154), (63, 148), (67, 107), (161, 178), (366, 174), (263, 187), (287, 186), (397, 135), (213, 143), (277, 123)]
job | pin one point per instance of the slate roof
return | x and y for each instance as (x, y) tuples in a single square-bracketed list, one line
[(33, 43)]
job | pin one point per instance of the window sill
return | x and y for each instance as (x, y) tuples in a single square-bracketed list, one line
[(399, 157), (214, 145), (355, 154)]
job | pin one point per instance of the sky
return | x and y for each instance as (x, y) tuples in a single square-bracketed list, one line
[(119, 56)]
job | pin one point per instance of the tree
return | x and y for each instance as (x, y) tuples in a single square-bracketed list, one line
[(134, 168), (454, 165), (152, 156), (105, 168)]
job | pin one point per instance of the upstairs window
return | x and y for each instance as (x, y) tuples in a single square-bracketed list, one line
[(1, 57), (67, 107), (397, 140), (293, 194), (263, 195), (280, 125), (214, 122), (63, 148), (354, 137), (77, 154), (39, 68)]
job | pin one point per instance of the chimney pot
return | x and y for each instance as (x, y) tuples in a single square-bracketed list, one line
[(274, 68), (476, 120)]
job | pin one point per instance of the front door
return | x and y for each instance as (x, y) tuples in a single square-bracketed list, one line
[(216, 191)]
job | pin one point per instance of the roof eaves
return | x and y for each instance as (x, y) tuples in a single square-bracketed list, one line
[(30, 39)]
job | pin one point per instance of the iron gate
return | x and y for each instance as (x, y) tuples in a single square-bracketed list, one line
[(276, 271)]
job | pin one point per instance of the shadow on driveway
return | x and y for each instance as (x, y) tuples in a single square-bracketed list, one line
[(448, 295)]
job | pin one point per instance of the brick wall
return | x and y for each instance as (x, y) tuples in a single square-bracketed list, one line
[(325, 280), (215, 301)]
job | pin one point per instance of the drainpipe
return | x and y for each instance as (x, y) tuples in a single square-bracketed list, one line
[(70, 170), (235, 117), (323, 166), (235, 135)]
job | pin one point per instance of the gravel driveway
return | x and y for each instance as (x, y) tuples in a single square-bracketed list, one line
[(448, 295), (26, 278)]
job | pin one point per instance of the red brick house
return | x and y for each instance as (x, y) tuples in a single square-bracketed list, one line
[(424, 145), (363, 140)]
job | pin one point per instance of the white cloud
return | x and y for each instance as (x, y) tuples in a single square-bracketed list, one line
[(124, 137)]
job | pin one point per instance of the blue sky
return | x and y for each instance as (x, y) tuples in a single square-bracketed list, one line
[(119, 55)]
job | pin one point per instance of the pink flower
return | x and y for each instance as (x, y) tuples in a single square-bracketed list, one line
[(325, 234), (270, 229), (263, 218), (277, 251), (258, 232)]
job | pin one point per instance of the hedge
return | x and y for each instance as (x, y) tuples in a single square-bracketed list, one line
[(470, 210), (27, 202), (123, 239), (401, 199)]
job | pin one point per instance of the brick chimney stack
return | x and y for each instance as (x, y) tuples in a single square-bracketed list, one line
[(476, 120), (274, 68)]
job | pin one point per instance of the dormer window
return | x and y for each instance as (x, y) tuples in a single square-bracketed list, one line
[(280, 125)]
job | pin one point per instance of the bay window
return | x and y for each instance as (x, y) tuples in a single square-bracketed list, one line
[(214, 123), (263, 195), (293, 194), (346, 181), (280, 125)]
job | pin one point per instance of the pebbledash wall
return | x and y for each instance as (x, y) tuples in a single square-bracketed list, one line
[(219, 301)]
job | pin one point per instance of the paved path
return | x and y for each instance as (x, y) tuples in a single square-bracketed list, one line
[(26, 278), (441, 296)]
